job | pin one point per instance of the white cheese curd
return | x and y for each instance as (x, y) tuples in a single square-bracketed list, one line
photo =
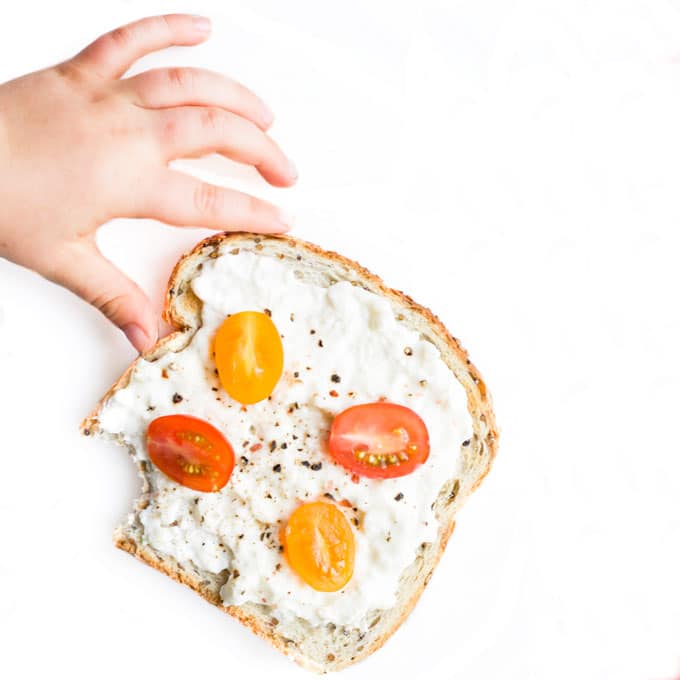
[(343, 331)]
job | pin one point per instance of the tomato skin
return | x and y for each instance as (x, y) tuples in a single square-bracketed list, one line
[(249, 356), (379, 440), (319, 546), (190, 451)]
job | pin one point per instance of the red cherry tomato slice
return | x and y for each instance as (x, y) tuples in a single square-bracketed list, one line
[(190, 451), (379, 440)]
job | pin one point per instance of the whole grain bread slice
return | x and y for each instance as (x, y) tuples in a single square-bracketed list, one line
[(330, 647)]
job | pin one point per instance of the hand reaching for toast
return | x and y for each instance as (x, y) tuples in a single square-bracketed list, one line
[(79, 145)]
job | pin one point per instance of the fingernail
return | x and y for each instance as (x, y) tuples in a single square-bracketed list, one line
[(287, 219), (201, 24), (292, 170), (267, 115), (137, 337)]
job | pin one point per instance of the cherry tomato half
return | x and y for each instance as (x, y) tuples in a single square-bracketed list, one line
[(190, 451), (379, 440), (319, 546), (249, 356)]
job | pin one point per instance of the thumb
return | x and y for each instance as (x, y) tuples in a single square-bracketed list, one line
[(87, 273)]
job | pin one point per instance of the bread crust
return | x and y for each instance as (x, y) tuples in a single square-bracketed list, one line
[(180, 304)]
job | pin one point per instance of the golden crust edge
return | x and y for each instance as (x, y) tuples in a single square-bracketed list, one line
[(255, 625)]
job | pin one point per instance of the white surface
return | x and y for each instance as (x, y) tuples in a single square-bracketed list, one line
[(515, 167)]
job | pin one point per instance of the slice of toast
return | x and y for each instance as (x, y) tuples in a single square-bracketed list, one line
[(328, 647)]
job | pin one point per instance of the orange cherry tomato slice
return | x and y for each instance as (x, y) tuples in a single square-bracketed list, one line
[(379, 440), (249, 356), (319, 546), (190, 451)]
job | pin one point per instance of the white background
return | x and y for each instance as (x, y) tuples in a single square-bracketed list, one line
[(513, 165)]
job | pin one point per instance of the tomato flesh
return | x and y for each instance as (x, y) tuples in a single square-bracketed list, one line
[(249, 356), (190, 451), (319, 546), (379, 439)]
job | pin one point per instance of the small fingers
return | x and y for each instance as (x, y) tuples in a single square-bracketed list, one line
[(196, 131), (113, 53), (183, 86), (183, 200), (86, 272)]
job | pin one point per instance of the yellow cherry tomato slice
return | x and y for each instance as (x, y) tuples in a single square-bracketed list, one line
[(319, 546), (249, 356)]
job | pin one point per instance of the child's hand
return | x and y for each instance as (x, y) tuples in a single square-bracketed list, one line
[(79, 146)]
